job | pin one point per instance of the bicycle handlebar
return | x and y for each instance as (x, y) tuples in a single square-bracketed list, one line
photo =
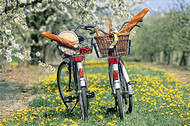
[(85, 27), (88, 27)]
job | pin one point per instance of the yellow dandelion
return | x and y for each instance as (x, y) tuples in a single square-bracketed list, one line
[(100, 116)]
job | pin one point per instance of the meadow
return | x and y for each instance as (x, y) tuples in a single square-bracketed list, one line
[(158, 99)]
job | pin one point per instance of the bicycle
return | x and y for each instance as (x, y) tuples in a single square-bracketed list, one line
[(71, 79), (113, 45), (118, 76)]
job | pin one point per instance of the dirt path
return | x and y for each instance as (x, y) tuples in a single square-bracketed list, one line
[(17, 88), (178, 72)]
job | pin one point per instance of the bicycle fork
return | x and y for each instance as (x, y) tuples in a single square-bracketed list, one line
[(115, 81), (81, 74), (126, 78), (116, 76), (82, 78), (78, 60)]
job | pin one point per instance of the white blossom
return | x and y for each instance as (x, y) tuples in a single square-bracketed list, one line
[(1, 51), (38, 54), (9, 59), (8, 31)]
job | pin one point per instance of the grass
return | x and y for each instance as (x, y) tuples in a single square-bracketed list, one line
[(159, 99)]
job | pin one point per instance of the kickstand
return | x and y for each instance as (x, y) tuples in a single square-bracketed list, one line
[(72, 110)]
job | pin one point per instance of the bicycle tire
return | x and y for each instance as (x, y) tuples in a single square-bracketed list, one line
[(120, 104), (64, 82), (82, 96), (111, 77), (84, 100), (124, 87), (130, 106), (118, 97)]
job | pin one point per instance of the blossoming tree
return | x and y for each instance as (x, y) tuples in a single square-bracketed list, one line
[(23, 20)]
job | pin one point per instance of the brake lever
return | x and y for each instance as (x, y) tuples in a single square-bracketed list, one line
[(92, 32), (138, 26), (55, 32)]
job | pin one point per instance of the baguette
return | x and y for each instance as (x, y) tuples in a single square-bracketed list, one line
[(135, 20), (60, 40)]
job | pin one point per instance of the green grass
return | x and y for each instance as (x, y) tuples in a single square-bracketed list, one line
[(159, 99)]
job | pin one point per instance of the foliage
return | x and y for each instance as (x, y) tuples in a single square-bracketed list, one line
[(158, 99), (165, 32), (23, 20)]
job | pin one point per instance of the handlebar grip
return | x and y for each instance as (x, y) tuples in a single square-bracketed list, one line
[(60, 40), (90, 26), (135, 20)]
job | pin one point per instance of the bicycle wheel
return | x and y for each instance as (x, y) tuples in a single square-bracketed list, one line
[(120, 104), (84, 103), (127, 98), (118, 97), (66, 85), (130, 104), (110, 68)]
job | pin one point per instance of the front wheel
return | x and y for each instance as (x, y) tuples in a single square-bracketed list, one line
[(66, 85), (82, 87), (120, 104), (130, 105), (83, 103), (125, 89)]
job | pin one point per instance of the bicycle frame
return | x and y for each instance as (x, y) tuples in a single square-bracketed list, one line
[(126, 77), (120, 85), (76, 61), (119, 65)]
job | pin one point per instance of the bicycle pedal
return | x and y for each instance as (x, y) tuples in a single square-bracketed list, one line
[(132, 82), (111, 110), (90, 94), (68, 99), (69, 90)]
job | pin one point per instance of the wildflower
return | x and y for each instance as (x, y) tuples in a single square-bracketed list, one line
[(63, 124), (66, 119), (171, 113), (109, 124), (100, 116)]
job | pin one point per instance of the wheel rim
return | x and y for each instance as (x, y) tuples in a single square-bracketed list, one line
[(63, 80), (127, 99), (120, 104)]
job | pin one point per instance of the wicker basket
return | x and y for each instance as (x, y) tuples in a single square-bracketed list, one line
[(105, 41)]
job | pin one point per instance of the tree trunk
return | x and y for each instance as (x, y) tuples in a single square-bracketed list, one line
[(188, 60), (34, 58), (168, 62), (162, 57), (166, 57), (184, 59), (5, 66), (44, 57), (22, 63)]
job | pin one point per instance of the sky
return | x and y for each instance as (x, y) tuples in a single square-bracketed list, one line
[(161, 5)]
